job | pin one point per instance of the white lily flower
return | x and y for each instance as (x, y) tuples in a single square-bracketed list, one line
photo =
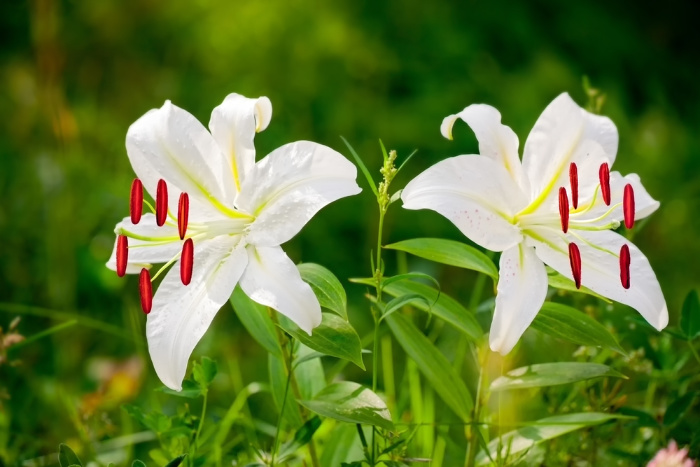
[(221, 217), (556, 207)]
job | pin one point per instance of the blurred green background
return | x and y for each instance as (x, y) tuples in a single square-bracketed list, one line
[(76, 74)]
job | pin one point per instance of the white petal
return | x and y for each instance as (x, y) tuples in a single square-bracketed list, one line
[(273, 280), (290, 185), (600, 269), (475, 193), (163, 247), (233, 125), (566, 133), (181, 314), (496, 140), (171, 144), (522, 288)]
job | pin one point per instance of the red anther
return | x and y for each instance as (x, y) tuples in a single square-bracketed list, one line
[(573, 179), (564, 209), (187, 261), (136, 201), (625, 266), (183, 212), (604, 175), (575, 260), (122, 255), (628, 206), (161, 202), (146, 290)]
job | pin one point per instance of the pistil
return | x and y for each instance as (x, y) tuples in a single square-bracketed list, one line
[(161, 202), (183, 210), (604, 175), (564, 209), (122, 255), (136, 201), (625, 266), (628, 206), (146, 291), (187, 261), (573, 179), (575, 260)]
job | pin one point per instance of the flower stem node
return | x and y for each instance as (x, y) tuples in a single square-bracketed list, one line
[(552, 207)]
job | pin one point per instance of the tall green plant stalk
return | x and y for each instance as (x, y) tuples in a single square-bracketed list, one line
[(388, 172)]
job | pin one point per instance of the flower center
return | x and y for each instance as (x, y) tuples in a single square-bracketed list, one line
[(188, 232)]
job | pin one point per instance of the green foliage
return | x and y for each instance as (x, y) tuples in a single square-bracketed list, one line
[(434, 366), (448, 252), (552, 374), (567, 323), (690, 316), (352, 403), (327, 287), (256, 319), (66, 456)]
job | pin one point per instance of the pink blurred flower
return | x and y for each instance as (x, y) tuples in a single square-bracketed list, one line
[(672, 457)]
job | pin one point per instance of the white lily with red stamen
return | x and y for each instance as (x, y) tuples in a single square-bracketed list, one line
[(222, 217), (523, 210)]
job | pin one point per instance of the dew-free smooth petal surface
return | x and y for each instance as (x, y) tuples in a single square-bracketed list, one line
[(163, 247), (600, 269), (289, 186), (522, 288), (182, 314), (233, 125), (171, 144), (475, 193), (496, 140), (273, 280), (566, 133)]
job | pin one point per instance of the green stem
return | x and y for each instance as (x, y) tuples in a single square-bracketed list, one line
[(471, 445), (375, 315), (695, 352), (275, 446), (201, 422)]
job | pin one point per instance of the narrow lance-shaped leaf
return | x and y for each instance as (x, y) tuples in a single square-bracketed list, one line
[(402, 300), (66, 456), (448, 252), (433, 364), (352, 403), (517, 441), (552, 374), (558, 281), (301, 438), (327, 288), (256, 320), (334, 336), (363, 167), (568, 323)]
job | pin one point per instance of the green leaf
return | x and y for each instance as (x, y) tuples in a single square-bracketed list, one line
[(568, 323), (154, 421), (434, 366), (138, 463), (409, 275), (301, 438), (66, 456), (204, 372), (524, 438), (256, 320), (334, 336), (690, 316), (558, 281), (190, 390), (441, 305), (448, 252), (352, 403), (403, 300), (679, 407), (552, 374), (363, 168), (643, 418), (177, 461), (326, 286)]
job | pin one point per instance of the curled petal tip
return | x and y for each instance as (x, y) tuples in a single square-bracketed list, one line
[(263, 113), (446, 126)]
